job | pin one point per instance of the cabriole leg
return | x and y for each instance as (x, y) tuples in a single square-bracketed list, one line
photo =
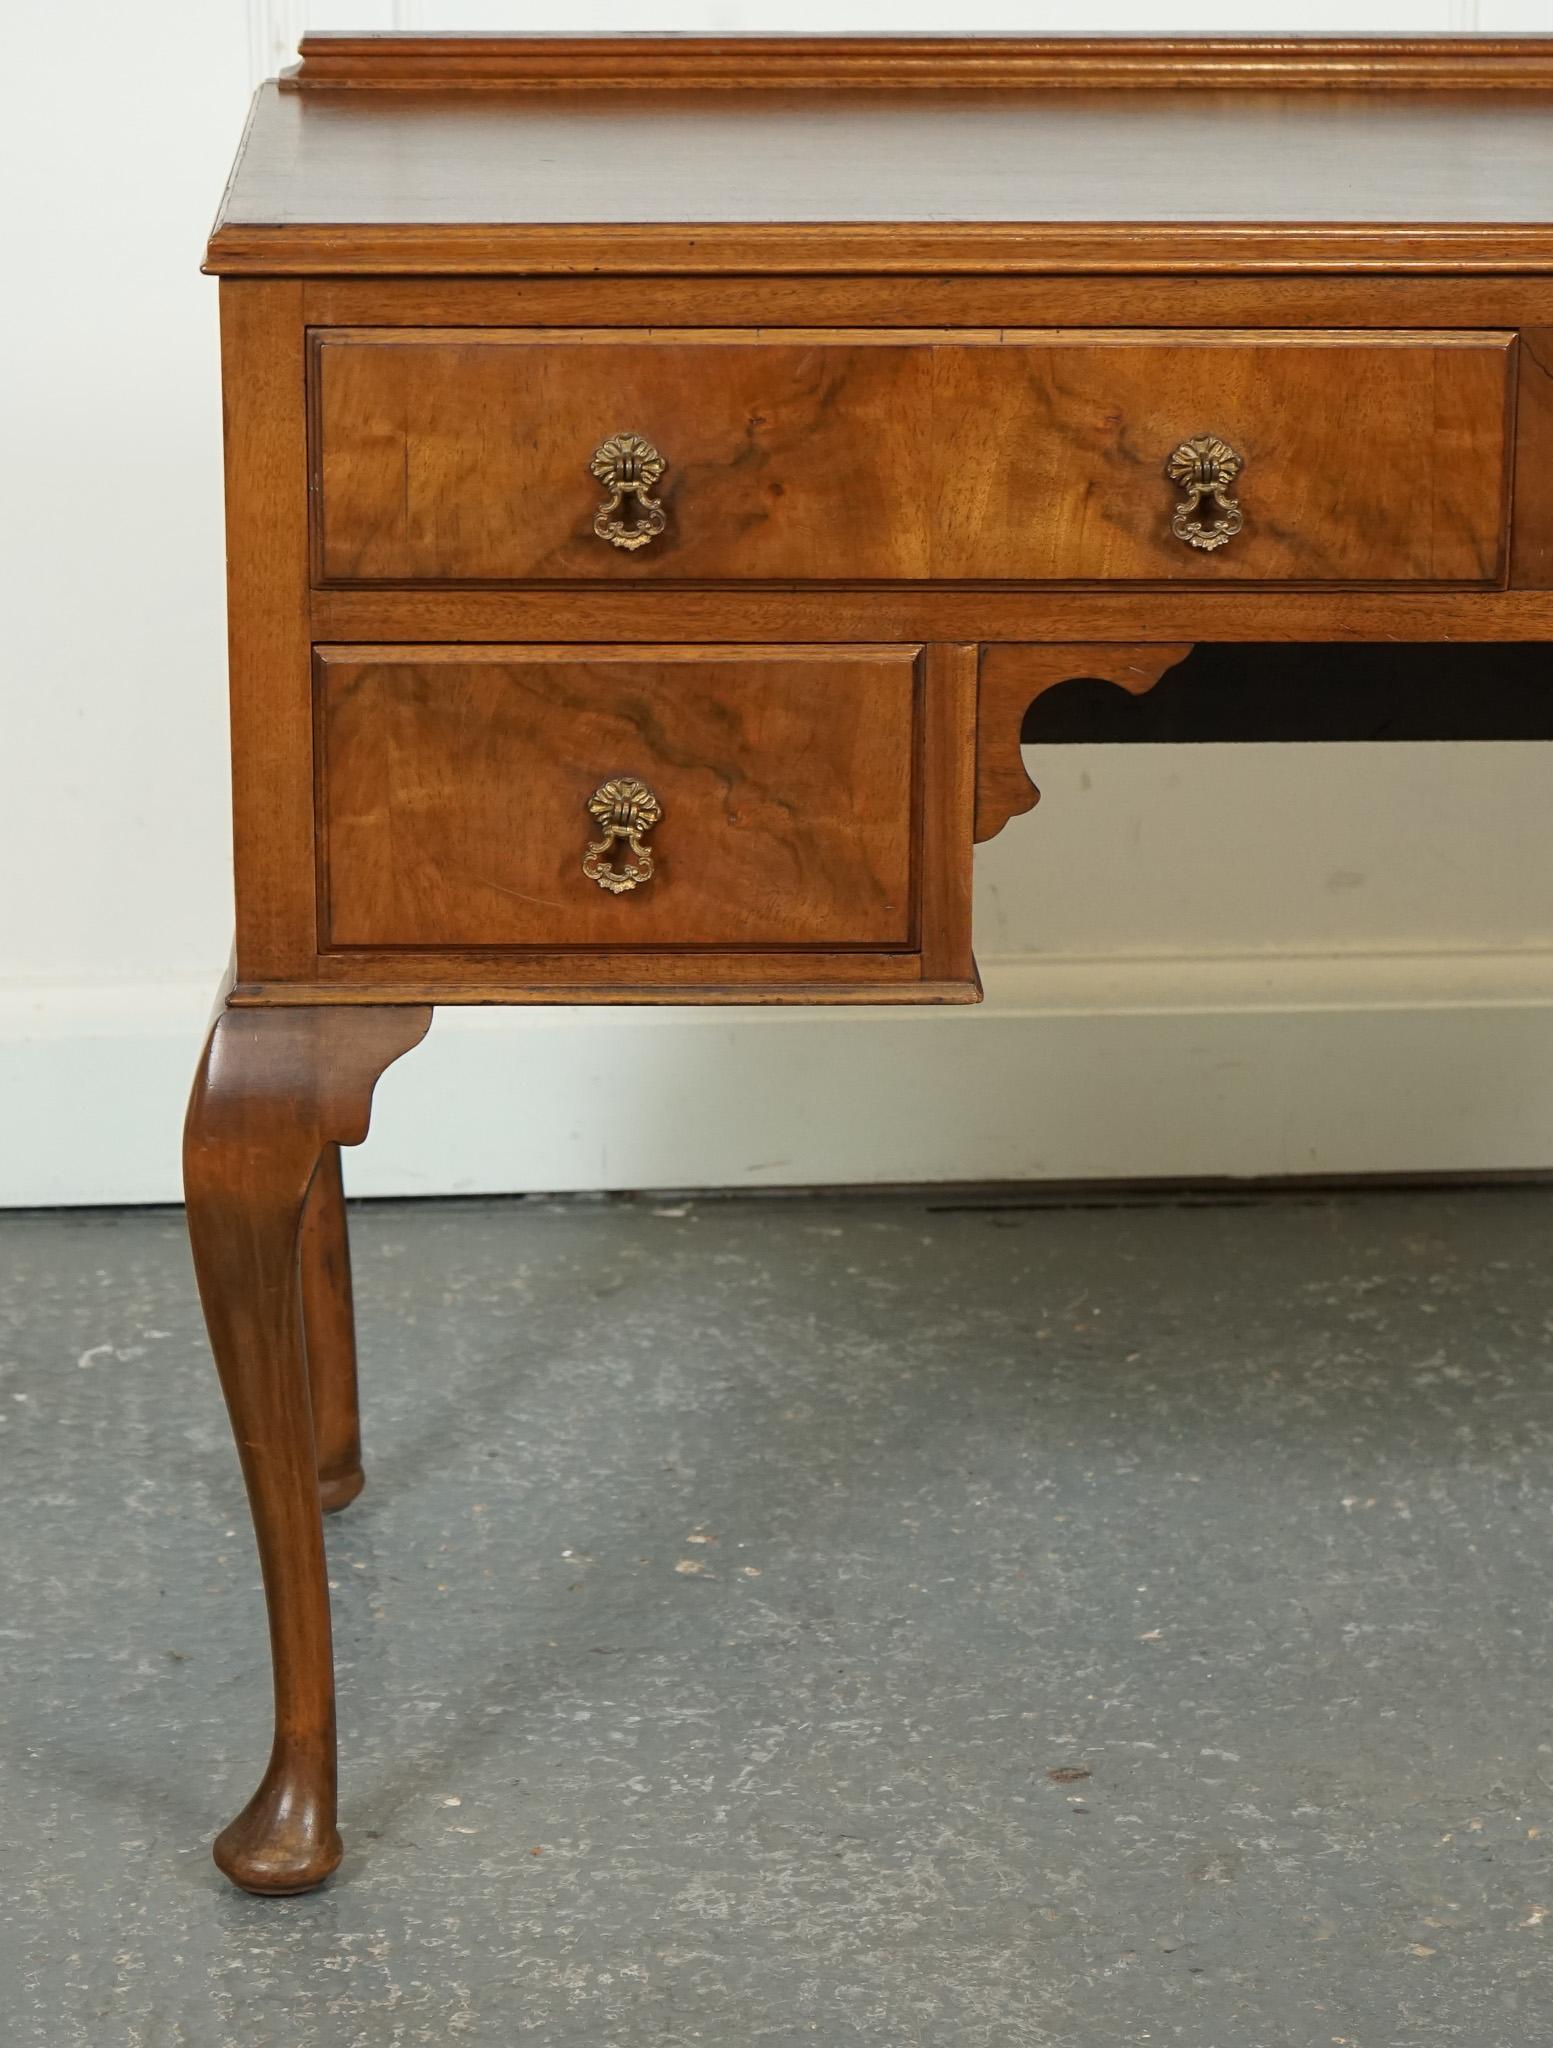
[(276, 1090), (329, 1329)]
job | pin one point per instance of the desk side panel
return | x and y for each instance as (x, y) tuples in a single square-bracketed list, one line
[(264, 413)]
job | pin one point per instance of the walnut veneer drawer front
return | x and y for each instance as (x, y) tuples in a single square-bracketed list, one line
[(1348, 458), (618, 797), (473, 456), (456, 457)]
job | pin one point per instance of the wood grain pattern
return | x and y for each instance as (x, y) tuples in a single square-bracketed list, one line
[(761, 980), (1531, 525), (936, 612), (454, 784), (264, 409), (932, 301), (345, 59), (901, 455), (447, 456), (779, 181), (329, 1331), (1122, 248), (611, 974), (948, 810), (274, 1090), (1365, 459), (482, 975), (1011, 680)]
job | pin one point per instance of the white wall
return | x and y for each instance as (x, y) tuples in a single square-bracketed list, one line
[(1198, 960)]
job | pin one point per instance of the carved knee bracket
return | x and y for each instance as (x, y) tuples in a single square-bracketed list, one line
[(1012, 678)]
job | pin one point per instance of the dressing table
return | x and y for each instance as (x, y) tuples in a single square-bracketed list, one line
[(663, 473)]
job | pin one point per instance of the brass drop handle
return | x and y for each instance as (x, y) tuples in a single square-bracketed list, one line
[(1205, 467), (627, 810), (628, 467)]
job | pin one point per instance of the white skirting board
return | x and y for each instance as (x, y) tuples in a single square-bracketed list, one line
[(1073, 1069)]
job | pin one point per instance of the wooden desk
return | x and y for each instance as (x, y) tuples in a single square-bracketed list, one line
[(662, 475)]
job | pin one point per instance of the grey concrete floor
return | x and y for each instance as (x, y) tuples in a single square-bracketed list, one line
[(788, 1623)]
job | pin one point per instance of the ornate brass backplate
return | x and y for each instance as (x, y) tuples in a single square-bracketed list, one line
[(627, 810), (1205, 466), (628, 467)]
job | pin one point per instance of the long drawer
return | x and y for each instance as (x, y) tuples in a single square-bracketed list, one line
[(615, 456)]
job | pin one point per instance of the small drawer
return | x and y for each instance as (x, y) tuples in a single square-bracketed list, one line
[(1225, 456), (618, 798), (504, 455), (511, 455)]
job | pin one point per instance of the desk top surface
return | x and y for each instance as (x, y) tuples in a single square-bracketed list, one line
[(340, 175)]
